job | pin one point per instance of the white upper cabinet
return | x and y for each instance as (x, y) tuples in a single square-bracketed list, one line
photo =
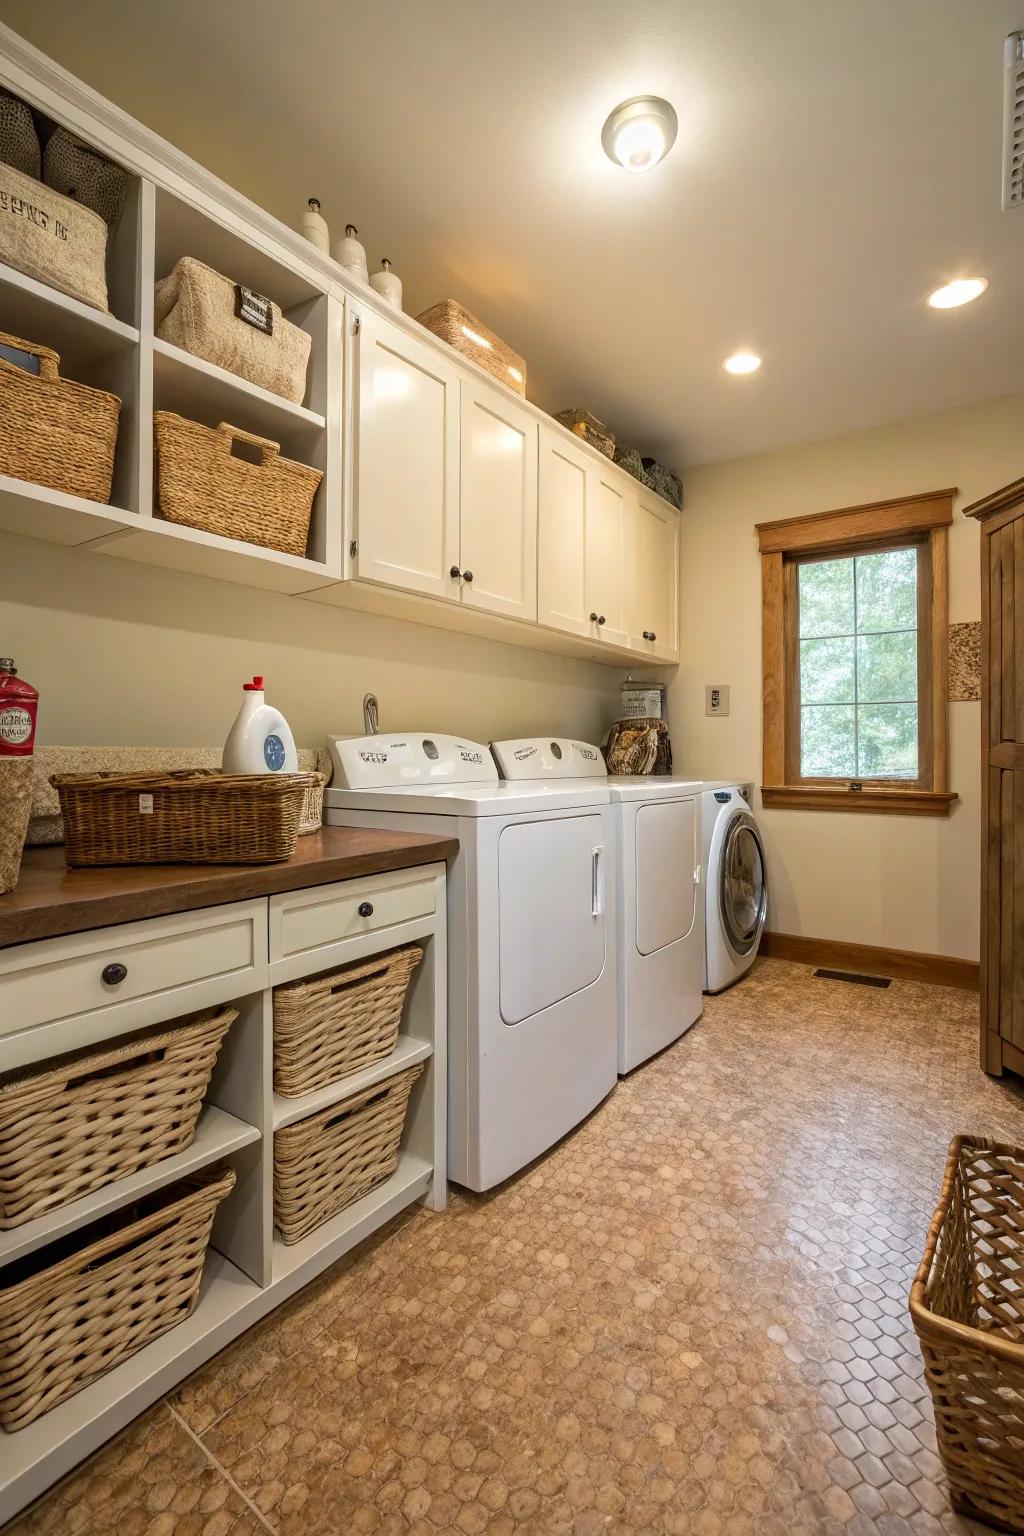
[(405, 471), (498, 527), (608, 518), (565, 482), (652, 579)]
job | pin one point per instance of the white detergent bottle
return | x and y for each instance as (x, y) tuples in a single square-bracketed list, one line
[(260, 741)]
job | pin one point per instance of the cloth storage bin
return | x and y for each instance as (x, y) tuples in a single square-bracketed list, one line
[(338, 1023), (201, 484), (19, 141), (629, 459), (52, 238), (203, 312), (330, 1159), (71, 1312), (78, 171), (471, 337), (663, 481), (55, 432), (84, 1119), (592, 431), (967, 1306)]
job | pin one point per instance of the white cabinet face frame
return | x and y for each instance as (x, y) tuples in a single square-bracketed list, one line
[(652, 543), (609, 516), (565, 480), (498, 508)]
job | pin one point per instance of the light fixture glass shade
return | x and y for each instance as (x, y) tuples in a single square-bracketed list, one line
[(961, 291), (639, 133), (742, 362)]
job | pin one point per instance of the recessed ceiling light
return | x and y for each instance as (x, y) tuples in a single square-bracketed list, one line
[(640, 132), (742, 362), (962, 291)]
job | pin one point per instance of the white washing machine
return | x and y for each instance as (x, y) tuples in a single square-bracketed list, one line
[(660, 912), (532, 999), (735, 884)]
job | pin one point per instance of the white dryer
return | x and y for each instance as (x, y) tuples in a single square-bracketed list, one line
[(736, 884), (660, 912), (532, 1002)]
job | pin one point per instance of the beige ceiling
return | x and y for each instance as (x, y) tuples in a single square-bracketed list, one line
[(836, 160)]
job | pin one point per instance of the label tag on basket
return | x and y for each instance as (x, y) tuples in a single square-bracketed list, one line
[(20, 358), (145, 805), (255, 309)]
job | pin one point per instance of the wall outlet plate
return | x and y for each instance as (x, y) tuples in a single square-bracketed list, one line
[(716, 699)]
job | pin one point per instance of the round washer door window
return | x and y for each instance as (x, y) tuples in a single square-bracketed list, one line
[(744, 892)]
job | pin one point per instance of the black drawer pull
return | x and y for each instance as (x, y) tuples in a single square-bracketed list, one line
[(366, 909), (113, 974)]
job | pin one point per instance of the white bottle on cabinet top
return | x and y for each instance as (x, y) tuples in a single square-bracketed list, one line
[(260, 741), (387, 285), (350, 255)]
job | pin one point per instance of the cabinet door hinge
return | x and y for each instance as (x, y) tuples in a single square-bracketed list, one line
[(356, 326), (353, 549)]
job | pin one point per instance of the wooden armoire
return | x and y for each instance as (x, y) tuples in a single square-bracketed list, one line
[(1001, 517)]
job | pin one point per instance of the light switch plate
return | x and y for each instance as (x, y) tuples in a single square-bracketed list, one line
[(716, 699)]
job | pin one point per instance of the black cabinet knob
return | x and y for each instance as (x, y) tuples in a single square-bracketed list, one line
[(653, 635), (600, 618), (366, 909), (467, 575), (649, 634), (114, 974), (454, 573), (593, 618)]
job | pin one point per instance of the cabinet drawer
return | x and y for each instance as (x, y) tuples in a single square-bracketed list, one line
[(171, 965), (305, 920)]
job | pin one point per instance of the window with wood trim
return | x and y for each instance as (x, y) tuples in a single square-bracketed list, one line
[(854, 634)]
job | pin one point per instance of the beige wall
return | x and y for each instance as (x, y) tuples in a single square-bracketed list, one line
[(902, 882), (127, 654)]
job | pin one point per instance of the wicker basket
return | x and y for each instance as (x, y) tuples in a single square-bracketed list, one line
[(629, 459), (195, 816), (592, 431), (323, 1163), (97, 1115), (71, 1312), (471, 337), (663, 481), (55, 432), (15, 809), (52, 238), (967, 1303), (201, 484), (341, 1022)]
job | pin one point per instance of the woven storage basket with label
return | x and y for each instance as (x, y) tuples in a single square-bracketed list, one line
[(54, 432), (234, 327), (337, 1024), (80, 172), (52, 238), (72, 1311), (82, 1120), (323, 1163), (471, 337), (201, 484), (19, 141)]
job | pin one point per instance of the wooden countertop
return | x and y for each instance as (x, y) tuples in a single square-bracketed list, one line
[(51, 899)]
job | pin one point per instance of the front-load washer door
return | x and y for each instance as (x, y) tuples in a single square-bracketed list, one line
[(743, 888), (666, 857), (551, 905)]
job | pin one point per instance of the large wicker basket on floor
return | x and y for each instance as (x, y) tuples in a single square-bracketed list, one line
[(967, 1304), (100, 1114), (201, 484), (330, 1159), (468, 335), (336, 1024), (195, 816), (71, 1312), (55, 432)]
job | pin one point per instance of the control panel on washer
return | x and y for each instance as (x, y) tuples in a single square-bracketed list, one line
[(413, 757), (548, 757)]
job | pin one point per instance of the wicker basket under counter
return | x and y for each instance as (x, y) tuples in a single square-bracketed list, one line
[(55, 432), (71, 1312), (336, 1024), (195, 816), (332, 1158)]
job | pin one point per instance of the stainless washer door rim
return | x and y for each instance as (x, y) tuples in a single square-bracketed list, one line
[(742, 886)]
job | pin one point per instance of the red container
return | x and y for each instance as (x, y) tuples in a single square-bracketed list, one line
[(18, 704)]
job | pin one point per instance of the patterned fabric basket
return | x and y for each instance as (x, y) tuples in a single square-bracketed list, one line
[(327, 1161), (52, 238), (336, 1024), (55, 432), (663, 481), (967, 1304), (629, 459), (197, 816), (71, 1312), (19, 141), (202, 485), (78, 171), (471, 337), (592, 431), (97, 1115)]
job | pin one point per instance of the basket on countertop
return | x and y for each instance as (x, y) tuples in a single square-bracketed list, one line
[(55, 432), (202, 484), (967, 1305), (330, 1159), (52, 238), (82, 1120), (663, 481), (196, 816), (72, 1311), (15, 810), (592, 431), (338, 1023), (470, 336)]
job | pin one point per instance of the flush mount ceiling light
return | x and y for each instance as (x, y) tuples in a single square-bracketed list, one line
[(640, 132), (962, 291), (742, 362)]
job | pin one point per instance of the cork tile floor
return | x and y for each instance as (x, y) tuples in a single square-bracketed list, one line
[(690, 1317)]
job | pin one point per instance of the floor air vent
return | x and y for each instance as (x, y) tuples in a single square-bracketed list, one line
[(1013, 123), (860, 981)]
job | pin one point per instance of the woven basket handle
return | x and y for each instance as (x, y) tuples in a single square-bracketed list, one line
[(49, 361), (231, 434)]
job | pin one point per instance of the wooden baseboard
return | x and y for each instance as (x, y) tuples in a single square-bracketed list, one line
[(907, 964)]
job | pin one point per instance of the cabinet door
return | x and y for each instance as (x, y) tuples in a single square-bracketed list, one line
[(498, 528), (1003, 595), (652, 563), (565, 479), (405, 482), (609, 511)]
